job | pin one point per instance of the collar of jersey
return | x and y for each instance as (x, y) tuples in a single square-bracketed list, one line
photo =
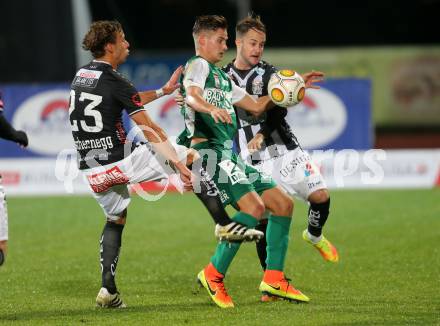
[(243, 81), (100, 61)]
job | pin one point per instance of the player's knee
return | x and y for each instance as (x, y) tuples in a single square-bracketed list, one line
[(257, 209), (118, 218), (285, 206), (278, 202), (319, 196), (281, 205), (4, 245)]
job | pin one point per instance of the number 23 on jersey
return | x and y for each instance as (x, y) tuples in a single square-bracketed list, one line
[(90, 110)]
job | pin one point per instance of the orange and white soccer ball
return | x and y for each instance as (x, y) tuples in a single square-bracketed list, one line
[(286, 88)]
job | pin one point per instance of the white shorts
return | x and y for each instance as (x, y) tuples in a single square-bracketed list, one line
[(109, 183), (295, 172), (3, 214)]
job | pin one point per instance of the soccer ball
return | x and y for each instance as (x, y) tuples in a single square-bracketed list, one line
[(286, 88)]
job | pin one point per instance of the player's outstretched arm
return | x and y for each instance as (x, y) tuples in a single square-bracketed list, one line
[(159, 139), (171, 85), (195, 100), (256, 107)]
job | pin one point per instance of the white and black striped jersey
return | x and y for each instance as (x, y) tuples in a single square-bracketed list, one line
[(278, 135), (98, 96)]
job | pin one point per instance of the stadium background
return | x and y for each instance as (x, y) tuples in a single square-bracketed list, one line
[(382, 63)]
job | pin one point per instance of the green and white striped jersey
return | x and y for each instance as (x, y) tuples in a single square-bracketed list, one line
[(218, 90)]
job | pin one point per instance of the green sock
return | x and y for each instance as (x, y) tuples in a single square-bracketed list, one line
[(245, 219), (226, 251), (277, 238)]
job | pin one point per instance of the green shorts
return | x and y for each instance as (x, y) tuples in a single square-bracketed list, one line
[(232, 176)]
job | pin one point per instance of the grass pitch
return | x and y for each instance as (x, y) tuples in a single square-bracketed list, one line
[(388, 273)]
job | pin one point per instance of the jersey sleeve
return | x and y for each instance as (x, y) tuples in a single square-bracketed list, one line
[(237, 93), (128, 96), (196, 73)]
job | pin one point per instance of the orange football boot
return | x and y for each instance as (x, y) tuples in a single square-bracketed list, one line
[(212, 281), (275, 284)]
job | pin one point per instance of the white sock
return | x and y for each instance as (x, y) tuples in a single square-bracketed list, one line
[(313, 238)]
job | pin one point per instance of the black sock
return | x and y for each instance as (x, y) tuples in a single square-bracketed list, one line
[(318, 214), (110, 246), (262, 244), (2, 257), (209, 195)]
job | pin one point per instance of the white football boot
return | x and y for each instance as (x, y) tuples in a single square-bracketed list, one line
[(237, 232), (107, 300)]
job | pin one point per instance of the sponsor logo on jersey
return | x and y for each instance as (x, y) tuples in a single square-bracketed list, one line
[(312, 185), (87, 78), (224, 196), (319, 119), (260, 71), (308, 171), (211, 187), (216, 80), (292, 165), (45, 118), (257, 85), (97, 143), (102, 181), (234, 173), (219, 98)]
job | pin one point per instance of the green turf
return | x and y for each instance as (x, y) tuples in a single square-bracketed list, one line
[(388, 273)]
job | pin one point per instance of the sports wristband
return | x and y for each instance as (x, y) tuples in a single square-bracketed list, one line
[(159, 92)]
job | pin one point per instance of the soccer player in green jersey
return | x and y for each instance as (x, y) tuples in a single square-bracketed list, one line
[(211, 124)]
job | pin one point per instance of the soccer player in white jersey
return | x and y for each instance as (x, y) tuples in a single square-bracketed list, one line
[(268, 143)]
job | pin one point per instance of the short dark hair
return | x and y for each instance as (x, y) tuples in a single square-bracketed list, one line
[(252, 21), (100, 33), (209, 23)]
